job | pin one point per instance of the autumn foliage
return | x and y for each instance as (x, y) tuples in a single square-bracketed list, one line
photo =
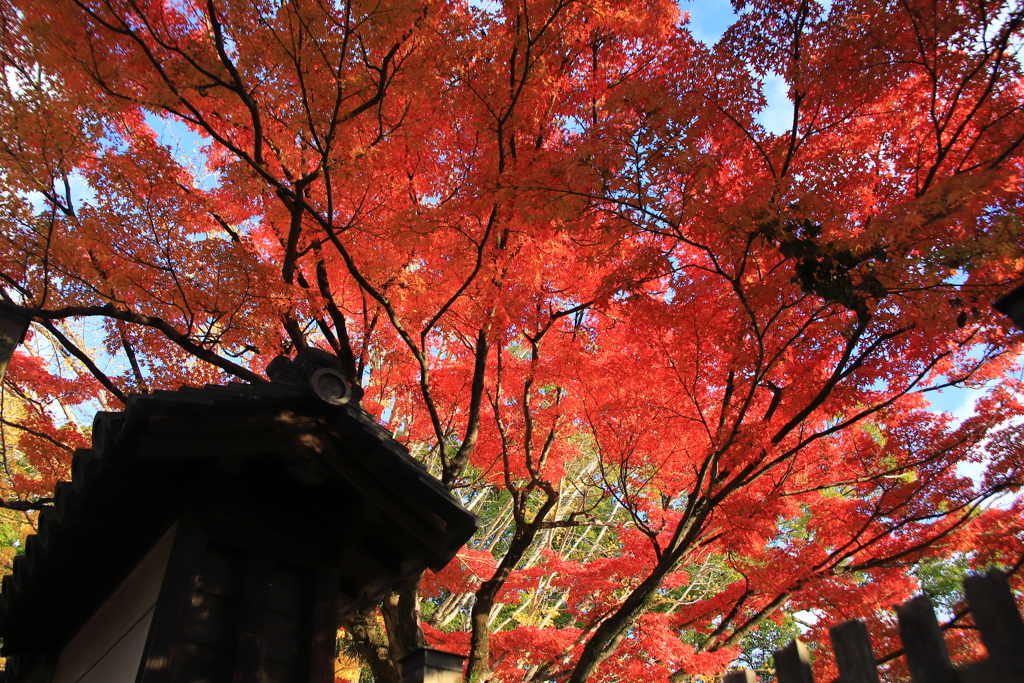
[(680, 364)]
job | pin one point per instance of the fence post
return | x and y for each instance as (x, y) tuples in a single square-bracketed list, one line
[(996, 616), (793, 664), (854, 657), (925, 649), (740, 676)]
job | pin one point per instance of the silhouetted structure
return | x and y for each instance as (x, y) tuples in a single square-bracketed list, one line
[(1011, 304), (221, 535)]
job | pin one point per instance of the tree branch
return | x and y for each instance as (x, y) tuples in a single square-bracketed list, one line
[(73, 349), (27, 505), (110, 311)]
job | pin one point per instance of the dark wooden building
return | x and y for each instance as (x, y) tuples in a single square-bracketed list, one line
[(221, 535)]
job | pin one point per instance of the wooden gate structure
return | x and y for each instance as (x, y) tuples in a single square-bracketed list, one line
[(990, 603)]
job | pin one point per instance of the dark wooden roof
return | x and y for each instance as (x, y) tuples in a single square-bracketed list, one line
[(312, 473)]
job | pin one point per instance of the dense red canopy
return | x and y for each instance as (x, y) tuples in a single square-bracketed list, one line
[(679, 363)]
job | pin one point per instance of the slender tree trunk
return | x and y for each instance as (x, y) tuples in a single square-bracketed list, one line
[(479, 667), (610, 633)]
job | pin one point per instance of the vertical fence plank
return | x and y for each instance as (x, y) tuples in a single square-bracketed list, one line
[(996, 616), (793, 664), (740, 676), (854, 657), (925, 649), (984, 671)]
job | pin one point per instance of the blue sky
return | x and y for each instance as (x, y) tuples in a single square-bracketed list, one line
[(708, 21), (709, 18)]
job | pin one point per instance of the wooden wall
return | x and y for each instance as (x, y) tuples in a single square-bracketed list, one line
[(108, 648)]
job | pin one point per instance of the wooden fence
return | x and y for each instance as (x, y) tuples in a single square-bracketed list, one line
[(990, 602)]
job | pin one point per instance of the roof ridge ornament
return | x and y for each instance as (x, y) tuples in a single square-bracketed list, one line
[(320, 371)]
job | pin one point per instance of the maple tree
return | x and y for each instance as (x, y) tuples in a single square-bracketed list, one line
[(678, 363)]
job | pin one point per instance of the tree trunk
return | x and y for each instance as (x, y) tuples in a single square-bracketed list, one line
[(371, 644), (479, 666), (611, 632), (401, 610)]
